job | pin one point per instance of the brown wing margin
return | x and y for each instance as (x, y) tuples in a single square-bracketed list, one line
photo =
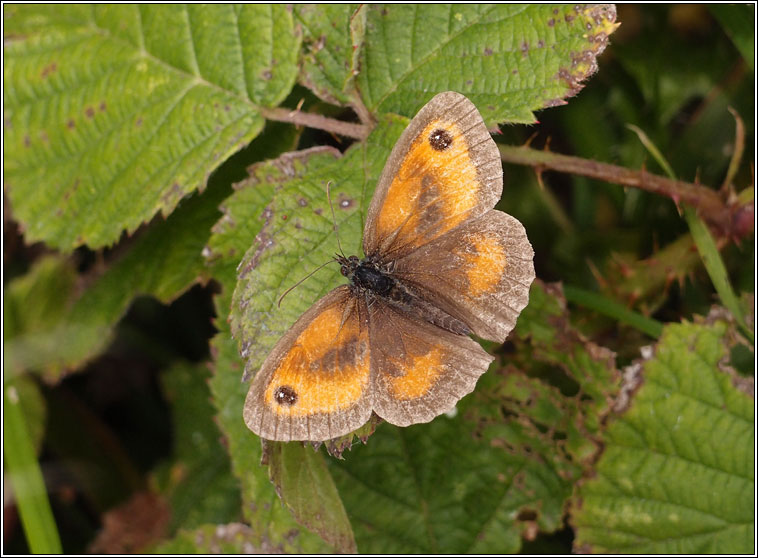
[(314, 385)]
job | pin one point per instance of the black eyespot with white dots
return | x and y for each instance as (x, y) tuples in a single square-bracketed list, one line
[(440, 139), (285, 395)]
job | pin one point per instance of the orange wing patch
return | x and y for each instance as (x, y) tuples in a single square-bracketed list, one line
[(326, 370), (434, 189), (420, 374), (485, 262)]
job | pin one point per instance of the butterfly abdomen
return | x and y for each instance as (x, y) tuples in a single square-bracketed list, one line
[(404, 299)]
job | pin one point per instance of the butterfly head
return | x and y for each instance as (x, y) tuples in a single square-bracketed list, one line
[(348, 265)]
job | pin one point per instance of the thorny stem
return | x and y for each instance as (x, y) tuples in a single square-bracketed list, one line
[(298, 118), (708, 203)]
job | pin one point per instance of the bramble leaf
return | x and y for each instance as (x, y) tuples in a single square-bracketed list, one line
[(116, 112), (509, 59), (304, 484), (677, 472), (332, 41)]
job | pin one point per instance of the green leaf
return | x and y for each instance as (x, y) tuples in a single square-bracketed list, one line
[(677, 472), (116, 112), (332, 41), (198, 481), (739, 23), (34, 311), (304, 484), (26, 478), (508, 59), (58, 331)]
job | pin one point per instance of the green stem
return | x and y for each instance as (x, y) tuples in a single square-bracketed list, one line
[(613, 309), (26, 478)]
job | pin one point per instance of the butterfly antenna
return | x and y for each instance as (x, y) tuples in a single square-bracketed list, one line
[(278, 304), (334, 218)]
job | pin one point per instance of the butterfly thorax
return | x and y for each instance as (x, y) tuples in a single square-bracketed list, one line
[(366, 275), (371, 279)]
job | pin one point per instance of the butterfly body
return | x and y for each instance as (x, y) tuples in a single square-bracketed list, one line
[(376, 283), (441, 264)]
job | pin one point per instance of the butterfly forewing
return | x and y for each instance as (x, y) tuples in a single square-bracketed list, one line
[(315, 383), (444, 170)]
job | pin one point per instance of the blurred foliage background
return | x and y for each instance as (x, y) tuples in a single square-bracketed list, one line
[(674, 71)]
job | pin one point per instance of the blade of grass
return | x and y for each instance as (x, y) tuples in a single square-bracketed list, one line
[(613, 309), (706, 246), (713, 263), (650, 146), (26, 478)]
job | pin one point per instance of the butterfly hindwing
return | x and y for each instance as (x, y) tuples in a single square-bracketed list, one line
[(418, 369), (444, 169), (314, 385), (479, 273)]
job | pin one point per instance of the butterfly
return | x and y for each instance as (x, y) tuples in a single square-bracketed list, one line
[(440, 265)]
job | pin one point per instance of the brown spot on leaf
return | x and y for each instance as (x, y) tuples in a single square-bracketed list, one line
[(103, 106), (172, 195), (90, 112), (550, 22), (262, 242), (138, 122), (49, 69), (346, 203), (267, 75), (27, 140), (318, 211), (302, 202), (488, 51)]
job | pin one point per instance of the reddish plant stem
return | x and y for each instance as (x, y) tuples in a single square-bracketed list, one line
[(347, 129), (708, 203)]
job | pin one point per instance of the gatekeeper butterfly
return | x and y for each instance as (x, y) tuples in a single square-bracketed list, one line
[(440, 265)]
